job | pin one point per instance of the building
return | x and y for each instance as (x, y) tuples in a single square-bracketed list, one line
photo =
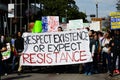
[(24, 13)]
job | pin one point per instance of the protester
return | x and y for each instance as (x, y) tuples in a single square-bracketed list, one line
[(58, 69), (3, 48), (100, 38), (13, 51), (88, 66), (106, 54), (60, 29), (115, 48), (19, 46), (96, 54)]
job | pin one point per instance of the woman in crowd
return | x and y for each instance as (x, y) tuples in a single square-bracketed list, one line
[(106, 54)]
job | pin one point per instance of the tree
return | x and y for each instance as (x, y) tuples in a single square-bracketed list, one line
[(118, 5), (61, 8)]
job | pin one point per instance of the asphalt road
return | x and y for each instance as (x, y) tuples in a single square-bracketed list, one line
[(51, 73), (56, 76)]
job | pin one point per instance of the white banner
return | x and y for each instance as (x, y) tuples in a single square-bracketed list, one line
[(56, 48), (95, 25), (75, 24)]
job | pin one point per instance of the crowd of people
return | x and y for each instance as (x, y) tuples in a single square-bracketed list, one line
[(17, 46), (104, 48)]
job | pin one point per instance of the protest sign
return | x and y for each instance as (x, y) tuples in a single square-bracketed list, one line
[(86, 25), (56, 48), (50, 23), (75, 24), (6, 54), (95, 25)]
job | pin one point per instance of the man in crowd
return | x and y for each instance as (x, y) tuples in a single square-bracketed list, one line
[(19, 46), (115, 49)]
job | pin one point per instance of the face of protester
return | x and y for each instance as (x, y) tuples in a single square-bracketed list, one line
[(95, 37), (90, 34), (117, 32), (107, 35), (59, 29), (19, 34), (2, 38)]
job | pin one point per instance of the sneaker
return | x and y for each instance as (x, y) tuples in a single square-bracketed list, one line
[(111, 75), (85, 73), (117, 71), (6, 74), (57, 73), (114, 71), (89, 73), (19, 73), (96, 72)]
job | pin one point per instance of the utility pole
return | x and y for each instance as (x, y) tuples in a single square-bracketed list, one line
[(10, 22), (97, 7)]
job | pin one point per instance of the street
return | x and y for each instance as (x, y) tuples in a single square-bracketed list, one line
[(56, 76)]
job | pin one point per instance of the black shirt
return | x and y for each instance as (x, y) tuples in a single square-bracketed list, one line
[(19, 44)]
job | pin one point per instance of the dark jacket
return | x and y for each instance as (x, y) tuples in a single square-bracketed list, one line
[(92, 42), (117, 42), (19, 44)]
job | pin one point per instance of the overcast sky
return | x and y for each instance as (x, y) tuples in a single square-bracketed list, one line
[(104, 6)]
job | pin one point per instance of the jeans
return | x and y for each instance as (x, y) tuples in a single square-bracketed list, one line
[(13, 62), (5, 66), (107, 56), (88, 67)]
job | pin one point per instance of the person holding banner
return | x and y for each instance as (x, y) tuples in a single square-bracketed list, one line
[(88, 66), (60, 29), (59, 68), (19, 47), (96, 56), (3, 48)]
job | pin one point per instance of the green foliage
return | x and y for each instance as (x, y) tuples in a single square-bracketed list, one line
[(62, 8)]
